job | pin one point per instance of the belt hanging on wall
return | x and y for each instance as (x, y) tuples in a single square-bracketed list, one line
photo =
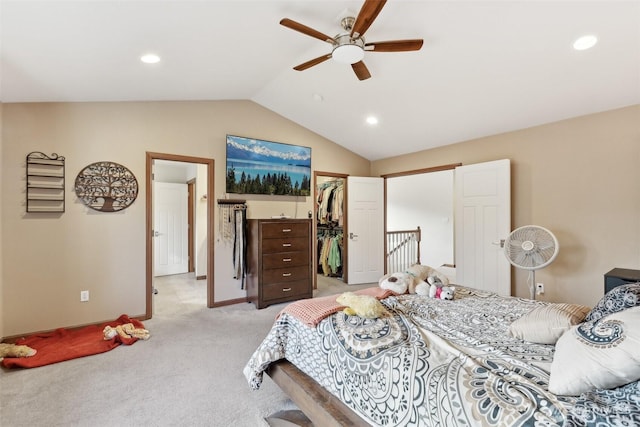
[(232, 229), (226, 226)]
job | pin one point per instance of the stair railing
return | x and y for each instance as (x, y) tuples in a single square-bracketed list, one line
[(403, 249)]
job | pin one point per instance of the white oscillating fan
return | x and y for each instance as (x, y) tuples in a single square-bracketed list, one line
[(531, 247)]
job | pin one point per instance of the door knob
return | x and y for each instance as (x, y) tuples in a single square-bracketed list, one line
[(352, 236), (499, 243)]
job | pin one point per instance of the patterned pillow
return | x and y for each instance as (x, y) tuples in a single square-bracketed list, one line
[(615, 300), (601, 354), (547, 323)]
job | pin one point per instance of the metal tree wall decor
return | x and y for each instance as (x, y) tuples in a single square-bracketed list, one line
[(106, 186)]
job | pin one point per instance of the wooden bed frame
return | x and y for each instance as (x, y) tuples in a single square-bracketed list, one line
[(320, 406)]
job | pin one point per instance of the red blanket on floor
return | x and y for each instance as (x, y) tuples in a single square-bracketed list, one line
[(63, 344)]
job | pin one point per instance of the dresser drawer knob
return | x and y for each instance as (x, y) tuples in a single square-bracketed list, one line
[(286, 230), (286, 274), (286, 259), (286, 289), (286, 245)]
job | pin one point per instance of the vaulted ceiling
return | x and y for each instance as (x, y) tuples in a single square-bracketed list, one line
[(486, 67)]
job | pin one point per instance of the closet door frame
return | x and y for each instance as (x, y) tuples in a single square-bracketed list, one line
[(316, 175)]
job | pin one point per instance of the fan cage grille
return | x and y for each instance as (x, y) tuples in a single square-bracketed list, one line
[(544, 247)]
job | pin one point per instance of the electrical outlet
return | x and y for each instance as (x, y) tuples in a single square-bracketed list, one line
[(539, 288), (84, 296)]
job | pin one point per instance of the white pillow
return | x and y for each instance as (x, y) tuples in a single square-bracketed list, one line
[(601, 354), (545, 324)]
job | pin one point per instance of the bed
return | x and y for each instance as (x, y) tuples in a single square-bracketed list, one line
[(457, 363)]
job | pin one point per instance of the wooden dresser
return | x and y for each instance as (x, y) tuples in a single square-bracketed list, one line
[(279, 265)]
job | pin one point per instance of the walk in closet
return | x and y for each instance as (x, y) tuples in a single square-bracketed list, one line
[(330, 222)]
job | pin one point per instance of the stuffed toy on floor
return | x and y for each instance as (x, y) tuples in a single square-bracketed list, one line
[(418, 279), (362, 305), (13, 350), (125, 331)]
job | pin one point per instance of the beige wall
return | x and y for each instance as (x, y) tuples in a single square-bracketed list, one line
[(49, 258), (580, 178)]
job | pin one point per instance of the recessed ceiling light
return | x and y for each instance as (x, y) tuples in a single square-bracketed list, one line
[(585, 42), (150, 58), (372, 120)]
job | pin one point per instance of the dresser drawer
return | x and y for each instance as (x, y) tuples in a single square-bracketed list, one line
[(292, 244), (285, 290), (285, 259), (275, 229), (277, 275), (278, 261)]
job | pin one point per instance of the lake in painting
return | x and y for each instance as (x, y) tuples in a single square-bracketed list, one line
[(255, 166)]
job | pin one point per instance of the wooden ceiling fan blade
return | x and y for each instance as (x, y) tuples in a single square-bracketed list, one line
[(368, 13), (306, 30), (311, 63), (394, 45), (361, 70)]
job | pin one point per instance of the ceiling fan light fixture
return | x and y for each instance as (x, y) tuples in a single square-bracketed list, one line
[(348, 54), (348, 47)]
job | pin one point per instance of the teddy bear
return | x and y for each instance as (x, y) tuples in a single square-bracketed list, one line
[(13, 350), (441, 292), (365, 306), (125, 331), (418, 278)]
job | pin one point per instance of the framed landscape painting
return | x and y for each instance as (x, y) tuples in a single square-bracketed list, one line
[(255, 166)]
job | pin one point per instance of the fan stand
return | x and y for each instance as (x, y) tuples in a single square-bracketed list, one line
[(532, 284)]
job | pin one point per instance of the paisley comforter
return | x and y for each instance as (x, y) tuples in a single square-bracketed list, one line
[(439, 363)]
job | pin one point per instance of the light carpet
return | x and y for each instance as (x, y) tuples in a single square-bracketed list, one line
[(189, 373)]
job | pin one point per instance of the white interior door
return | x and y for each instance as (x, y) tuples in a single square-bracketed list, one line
[(365, 228), (482, 221), (170, 228)]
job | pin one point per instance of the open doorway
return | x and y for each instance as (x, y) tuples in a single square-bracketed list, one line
[(482, 216), (329, 224), (424, 198), (201, 197)]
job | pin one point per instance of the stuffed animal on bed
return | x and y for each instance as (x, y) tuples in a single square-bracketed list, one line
[(418, 278), (13, 350), (362, 305), (125, 331), (396, 282), (441, 292)]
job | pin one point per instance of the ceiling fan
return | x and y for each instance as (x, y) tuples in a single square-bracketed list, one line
[(349, 46)]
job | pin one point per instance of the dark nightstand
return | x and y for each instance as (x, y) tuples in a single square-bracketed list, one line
[(620, 276)]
